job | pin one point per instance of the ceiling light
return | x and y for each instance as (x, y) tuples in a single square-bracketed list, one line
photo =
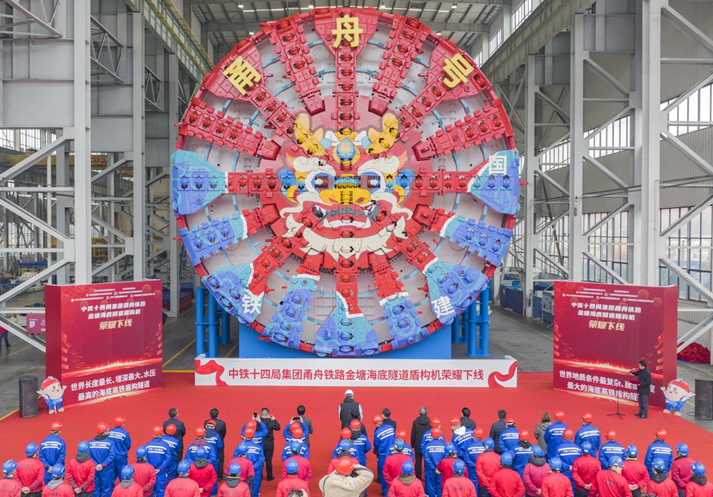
[(251, 33), (454, 6), (438, 34), (383, 6), (310, 6), (241, 6)]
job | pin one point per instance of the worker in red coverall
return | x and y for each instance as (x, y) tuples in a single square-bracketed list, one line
[(535, 471), (555, 484), (9, 486), (293, 481), (681, 469), (233, 485), (305, 468), (81, 471), (203, 473), (506, 482), (659, 484), (56, 486), (459, 485), (698, 486), (31, 472), (584, 470), (609, 482), (144, 473), (487, 464), (445, 466), (636, 474), (406, 484), (127, 487), (394, 463), (182, 486), (247, 470)]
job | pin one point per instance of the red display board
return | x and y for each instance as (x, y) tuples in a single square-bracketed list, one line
[(602, 331), (104, 340)]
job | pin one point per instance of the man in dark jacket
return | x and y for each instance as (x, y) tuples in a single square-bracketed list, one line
[(219, 424), (386, 414), (644, 388), (268, 443), (465, 420), (307, 422), (180, 430), (346, 408), (420, 426), (497, 428)]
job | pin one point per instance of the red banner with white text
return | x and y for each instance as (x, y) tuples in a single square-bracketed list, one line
[(104, 340), (601, 332)]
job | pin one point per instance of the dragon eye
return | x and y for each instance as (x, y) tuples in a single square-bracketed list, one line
[(323, 182), (369, 181)]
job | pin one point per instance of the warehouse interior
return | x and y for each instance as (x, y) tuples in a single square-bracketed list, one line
[(611, 102)]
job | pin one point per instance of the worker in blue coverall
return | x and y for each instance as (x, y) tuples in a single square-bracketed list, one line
[(509, 437), (53, 450), (553, 434), (214, 439), (173, 444), (122, 444), (609, 449), (258, 427), (521, 453), (434, 451), (297, 437), (567, 451), (659, 449), (462, 437), (201, 441), (256, 456), (588, 433), (359, 441), (159, 456), (101, 450), (473, 450), (384, 438)]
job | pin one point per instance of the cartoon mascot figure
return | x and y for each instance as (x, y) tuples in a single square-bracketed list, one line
[(677, 394), (53, 393)]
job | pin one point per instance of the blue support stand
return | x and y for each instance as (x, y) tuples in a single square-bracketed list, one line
[(458, 330), (212, 327), (200, 313), (476, 322), (225, 327)]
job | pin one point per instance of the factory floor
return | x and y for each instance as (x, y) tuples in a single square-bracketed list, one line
[(527, 340)]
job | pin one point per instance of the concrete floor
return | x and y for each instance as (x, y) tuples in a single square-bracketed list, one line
[(510, 334)]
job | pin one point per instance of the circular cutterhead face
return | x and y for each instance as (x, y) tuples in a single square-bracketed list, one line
[(345, 182)]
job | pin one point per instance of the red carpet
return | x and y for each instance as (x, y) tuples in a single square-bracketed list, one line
[(526, 404)]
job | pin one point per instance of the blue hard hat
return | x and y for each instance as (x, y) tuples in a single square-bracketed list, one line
[(407, 468), (698, 469), (31, 449), (632, 451), (295, 447), (201, 453), (537, 451), (183, 467), (57, 471), (556, 464), (615, 462), (142, 453), (658, 465), (459, 467), (586, 448), (127, 472), (450, 448), (242, 449), (234, 469), (83, 447), (292, 467), (399, 445), (344, 445), (9, 467), (682, 449), (489, 443), (506, 459)]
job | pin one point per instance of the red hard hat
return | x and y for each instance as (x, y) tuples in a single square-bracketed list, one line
[(559, 415), (509, 421), (401, 434), (355, 424), (436, 432), (455, 421), (479, 433), (345, 466), (568, 434), (435, 422), (297, 433), (294, 425), (377, 419), (587, 417), (346, 433), (611, 435), (524, 435), (251, 424), (156, 431), (56, 426), (200, 431), (661, 434), (249, 433), (102, 427), (170, 429), (119, 421)]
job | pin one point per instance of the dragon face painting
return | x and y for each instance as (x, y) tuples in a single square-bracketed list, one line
[(345, 182)]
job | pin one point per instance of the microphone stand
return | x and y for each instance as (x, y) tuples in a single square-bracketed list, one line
[(618, 412)]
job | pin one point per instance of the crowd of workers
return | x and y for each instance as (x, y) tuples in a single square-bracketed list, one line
[(507, 462)]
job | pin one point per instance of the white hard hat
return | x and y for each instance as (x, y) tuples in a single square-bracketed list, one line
[(349, 393)]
